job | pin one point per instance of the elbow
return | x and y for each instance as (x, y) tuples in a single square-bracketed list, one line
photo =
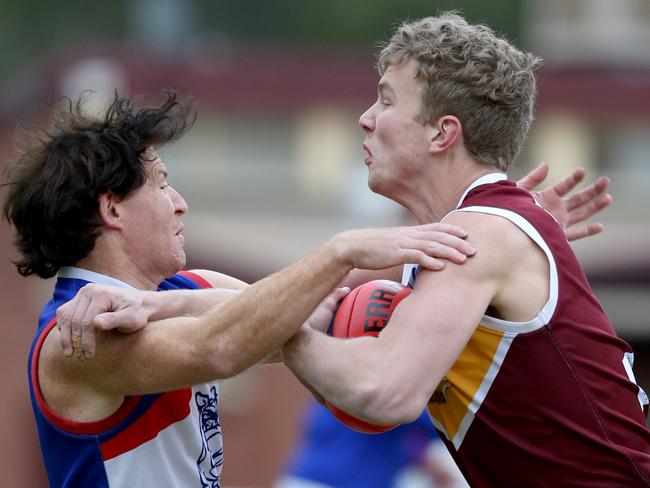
[(223, 368), (222, 356), (387, 404), (228, 352), (218, 360), (227, 360), (410, 411)]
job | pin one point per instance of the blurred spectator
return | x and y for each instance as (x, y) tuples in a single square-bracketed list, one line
[(330, 455)]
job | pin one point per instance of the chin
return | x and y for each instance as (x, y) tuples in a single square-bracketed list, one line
[(375, 185), (179, 262)]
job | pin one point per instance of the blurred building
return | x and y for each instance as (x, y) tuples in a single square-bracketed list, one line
[(594, 110), (274, 166)]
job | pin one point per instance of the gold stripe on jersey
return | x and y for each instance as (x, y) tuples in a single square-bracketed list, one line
[(461, 392)]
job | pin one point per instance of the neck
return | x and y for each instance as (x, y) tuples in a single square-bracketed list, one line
[(130, 278), (438, 192), (108, 260)]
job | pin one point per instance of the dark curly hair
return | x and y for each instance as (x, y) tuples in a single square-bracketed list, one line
[(55, 182)]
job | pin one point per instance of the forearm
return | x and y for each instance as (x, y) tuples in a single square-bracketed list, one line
[(358, 277), (176, 303), (345, 372), (317, 396), (265, 315)]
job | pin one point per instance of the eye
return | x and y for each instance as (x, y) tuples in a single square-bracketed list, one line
[(384, 101), (164, 185)]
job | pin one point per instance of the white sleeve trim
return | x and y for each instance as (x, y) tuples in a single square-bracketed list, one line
[(545, 315), (408, 274)]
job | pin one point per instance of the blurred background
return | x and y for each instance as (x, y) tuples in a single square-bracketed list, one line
[(274, 166)]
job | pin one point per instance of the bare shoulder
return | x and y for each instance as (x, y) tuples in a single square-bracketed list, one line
[(497, 240), (506, 254), (482, 275), (66, 383), (220, 280), (485, 224)]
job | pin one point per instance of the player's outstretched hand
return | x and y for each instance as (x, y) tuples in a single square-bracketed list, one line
[(569, 211), (98, 307), (428, 245)]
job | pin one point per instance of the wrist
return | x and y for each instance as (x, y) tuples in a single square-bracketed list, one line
[(295, 342), (339, 251), (155, 304)]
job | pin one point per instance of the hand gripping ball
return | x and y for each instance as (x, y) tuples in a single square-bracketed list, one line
[(365, 311)]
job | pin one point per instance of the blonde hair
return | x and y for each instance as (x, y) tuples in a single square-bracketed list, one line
[(471, 73)]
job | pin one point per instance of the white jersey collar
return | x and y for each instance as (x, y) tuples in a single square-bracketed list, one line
[(483, 180), (91, 276), (409, 271)]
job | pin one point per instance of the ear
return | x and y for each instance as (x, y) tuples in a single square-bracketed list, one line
[(109, 210), (446, 132)]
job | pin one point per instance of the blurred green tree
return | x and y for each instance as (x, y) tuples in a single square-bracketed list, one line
[(30, 29)]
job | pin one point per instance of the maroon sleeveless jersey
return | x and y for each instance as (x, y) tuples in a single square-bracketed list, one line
[(546, 403)]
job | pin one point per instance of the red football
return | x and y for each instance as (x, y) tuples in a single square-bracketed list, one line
[(365, 311)]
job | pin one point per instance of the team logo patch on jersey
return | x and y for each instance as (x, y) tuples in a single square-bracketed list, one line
[(442, 392), (211, 458)]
